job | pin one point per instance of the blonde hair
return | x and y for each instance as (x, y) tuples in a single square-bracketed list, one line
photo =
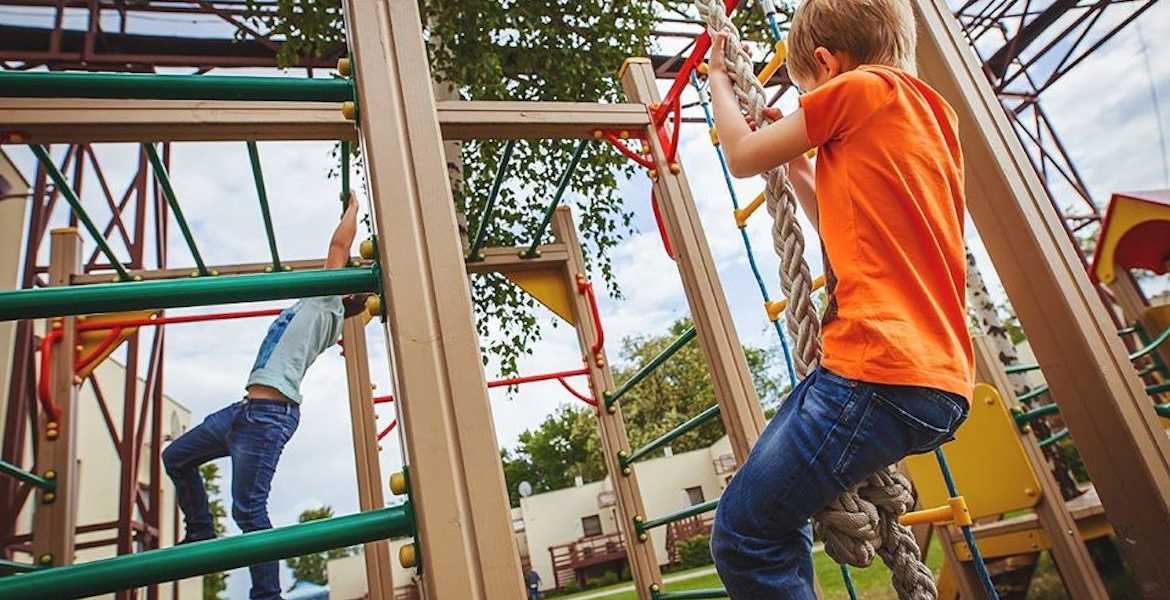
[(871, 32)]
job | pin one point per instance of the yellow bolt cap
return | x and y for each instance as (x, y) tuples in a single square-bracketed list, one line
[(398, 484), (406, 556)]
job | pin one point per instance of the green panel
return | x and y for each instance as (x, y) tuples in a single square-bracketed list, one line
[(173, 293), (189, 560), (171, 87)]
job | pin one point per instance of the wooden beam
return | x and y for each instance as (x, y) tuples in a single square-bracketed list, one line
[(1101, 398), (743, 419), (54, 521), (379, 574), (611, 426), (61, 120), (464, 525)]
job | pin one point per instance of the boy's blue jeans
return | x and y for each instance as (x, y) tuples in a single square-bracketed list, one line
[(253, 433), (828, 435)]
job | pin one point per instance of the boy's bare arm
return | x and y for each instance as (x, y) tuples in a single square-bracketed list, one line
[(804, 182), (750, 152), (342, 240)]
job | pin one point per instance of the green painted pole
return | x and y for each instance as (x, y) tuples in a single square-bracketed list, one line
[(179, 562), (173, 293), (71, 197), (262, 194), (9, 566), (49, 484), (164, 180), (1056, 437), (486, 217), (698, 509), (691, 594), (669, 436), (556, 200), (1023, 418), (172, 87), (344, 152), (636, 378)]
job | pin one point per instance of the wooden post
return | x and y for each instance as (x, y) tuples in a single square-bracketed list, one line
[(379, 574), (1080, 575), (743, 418), (54, 522), (610, 425), (1101, 398), (457, 483)]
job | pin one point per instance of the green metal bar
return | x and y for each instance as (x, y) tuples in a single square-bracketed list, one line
[(74, 202), (8, 566), (258, 175), (49, 483), (1163, 410), (174, 293), (160, 173), (1010, 369), (1152, 345), (669, 436), (692, 594), (344, 150), (611, 397), (172, 87), (486, 217), (556, 201), (1032, 395), (1025, 417), (698, 509), (1056, 437), (199, 558), (1158, 388)]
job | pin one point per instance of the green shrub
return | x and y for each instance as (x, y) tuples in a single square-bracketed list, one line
[(695, 552), (1073, 458)]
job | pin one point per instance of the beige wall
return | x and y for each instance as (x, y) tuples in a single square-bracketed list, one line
[(663, 482), (347, 576), (13, 209)]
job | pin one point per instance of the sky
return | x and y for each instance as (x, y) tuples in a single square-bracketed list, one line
[(1107, 110)]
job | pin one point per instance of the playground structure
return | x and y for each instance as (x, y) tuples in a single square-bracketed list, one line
[(400, 128)]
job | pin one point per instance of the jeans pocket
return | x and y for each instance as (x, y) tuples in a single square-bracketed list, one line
[(931, 417), (285, 422)]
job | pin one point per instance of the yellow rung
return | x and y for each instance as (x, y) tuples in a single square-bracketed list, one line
[(775, 307), (775, 62), (714, 136), (741, 215), (954, 512)]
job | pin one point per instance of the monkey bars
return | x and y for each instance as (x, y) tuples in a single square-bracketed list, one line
[(172, 87)]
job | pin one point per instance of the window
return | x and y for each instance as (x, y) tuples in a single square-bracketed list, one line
[(591, 525), (694, 495)]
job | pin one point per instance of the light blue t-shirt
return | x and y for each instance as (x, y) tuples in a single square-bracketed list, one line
[(300, 334)]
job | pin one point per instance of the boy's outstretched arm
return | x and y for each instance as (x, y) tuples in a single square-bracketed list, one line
[(342, 240), (750, 152)]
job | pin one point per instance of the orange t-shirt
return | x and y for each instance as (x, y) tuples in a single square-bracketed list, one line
[(889, 184)]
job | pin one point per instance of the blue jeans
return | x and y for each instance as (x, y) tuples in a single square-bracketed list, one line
[(253, 434), (828, 435)]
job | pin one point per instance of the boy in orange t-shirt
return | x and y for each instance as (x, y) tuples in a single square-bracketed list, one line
[(887, 199)]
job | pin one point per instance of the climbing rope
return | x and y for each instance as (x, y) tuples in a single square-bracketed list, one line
[(862, 522)]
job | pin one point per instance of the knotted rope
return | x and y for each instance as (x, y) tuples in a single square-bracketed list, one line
[(862, 522)]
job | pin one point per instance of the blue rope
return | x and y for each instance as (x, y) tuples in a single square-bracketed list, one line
[(848, 582), (976, 557), (705, 103)]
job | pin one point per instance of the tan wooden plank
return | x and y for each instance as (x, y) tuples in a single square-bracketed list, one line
[(457, 483), (54, 522), (379, 576), (740, 406), (1072, 557), (610, 426), (60, 120), (1101, 399)]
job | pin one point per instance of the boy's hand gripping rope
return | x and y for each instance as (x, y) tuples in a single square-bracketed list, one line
[(862, 522)]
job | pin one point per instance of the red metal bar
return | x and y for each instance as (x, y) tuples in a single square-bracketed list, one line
[(586, 288), (383, 399), (111, 337), (385, 432), (661, 224), (531, 378), (702, 44), (616, 142), (673, 153), (586, 399)]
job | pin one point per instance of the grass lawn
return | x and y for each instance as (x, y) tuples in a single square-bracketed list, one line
[(871, 584)]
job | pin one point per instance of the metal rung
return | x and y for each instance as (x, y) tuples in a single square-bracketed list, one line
[(648, 368), (643, 526), (666, 438)]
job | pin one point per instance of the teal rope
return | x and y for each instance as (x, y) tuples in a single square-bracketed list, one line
[(160, 174), (75, 203)]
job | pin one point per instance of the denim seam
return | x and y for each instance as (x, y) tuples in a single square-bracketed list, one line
[(852, 447)]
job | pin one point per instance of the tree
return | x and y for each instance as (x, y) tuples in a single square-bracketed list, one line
[(214, 584), (566, 444), (566, 50), (312, 567)]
